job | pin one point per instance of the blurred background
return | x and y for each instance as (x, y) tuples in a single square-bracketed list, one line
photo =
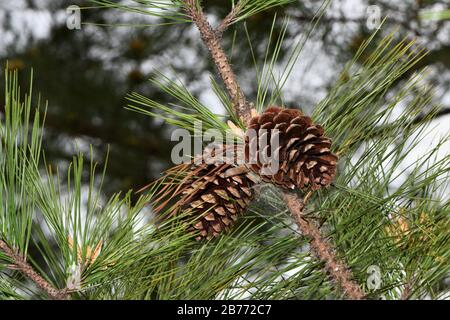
[(85, 74)]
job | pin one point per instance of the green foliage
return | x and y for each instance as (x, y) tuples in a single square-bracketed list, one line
[(359, 212), (21, 139), (248, 8), (165, 12), (171, 11), (435, 15), (189, 110), (270, 84), (382, 211), (185, 114), (354, 109)]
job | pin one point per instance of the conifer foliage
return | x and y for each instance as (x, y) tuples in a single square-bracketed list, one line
[(356, 227)]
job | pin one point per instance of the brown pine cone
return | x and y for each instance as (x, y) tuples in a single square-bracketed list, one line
[(305, 159), (217, 193)]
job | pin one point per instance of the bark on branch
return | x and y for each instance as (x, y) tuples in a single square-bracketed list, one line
[(322, 248), (21, 265), (229, 19), (212, 42)]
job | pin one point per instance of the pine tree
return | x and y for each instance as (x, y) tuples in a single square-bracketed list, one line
[(375, 232)]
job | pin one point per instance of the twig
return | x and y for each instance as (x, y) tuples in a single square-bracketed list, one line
[(21, 265), (337, 269), (407, 291), (321, 247), (211, 41), (228, 20)]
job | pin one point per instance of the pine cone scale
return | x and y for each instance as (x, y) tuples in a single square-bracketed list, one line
[(217, 195), (304, 153)]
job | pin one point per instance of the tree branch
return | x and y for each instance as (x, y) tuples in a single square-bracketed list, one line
[(321, 247), (337, 269), (21, 265), (228, 20), (211, 41)]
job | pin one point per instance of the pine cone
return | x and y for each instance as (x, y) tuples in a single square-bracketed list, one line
[(215, 192), (219, 194), (305, 159)]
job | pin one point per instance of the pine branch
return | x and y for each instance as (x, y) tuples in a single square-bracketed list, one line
[(337, 269), (211, 41), (339, 272), (228, 20), (20, 264)]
